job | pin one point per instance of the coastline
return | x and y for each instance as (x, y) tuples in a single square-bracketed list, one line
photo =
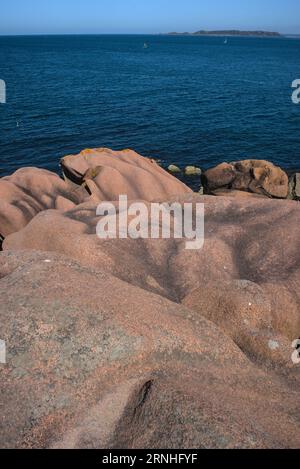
[(230, 33)]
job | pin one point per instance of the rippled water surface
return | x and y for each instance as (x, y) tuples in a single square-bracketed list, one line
[(183, 99)]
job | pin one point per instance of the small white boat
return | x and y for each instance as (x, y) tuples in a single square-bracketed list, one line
[(226, 41), (145, 45)]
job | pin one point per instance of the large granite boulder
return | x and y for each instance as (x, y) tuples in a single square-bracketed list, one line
[(31, 190), (108, 174), (254, 176), (96, 175), (218, 177)]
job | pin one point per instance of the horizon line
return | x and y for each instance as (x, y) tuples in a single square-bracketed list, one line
[(130, 34)]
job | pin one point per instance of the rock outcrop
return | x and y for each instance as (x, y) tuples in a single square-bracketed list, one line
[(254, 176), (29, 191), (126, 343), (107, 174), (94, 362)]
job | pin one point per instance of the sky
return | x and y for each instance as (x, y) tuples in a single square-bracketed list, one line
[(146, 16)]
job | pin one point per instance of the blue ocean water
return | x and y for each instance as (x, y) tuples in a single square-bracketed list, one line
[(185, 100)]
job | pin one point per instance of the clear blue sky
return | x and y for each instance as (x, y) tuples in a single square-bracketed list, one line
[(146, 16)]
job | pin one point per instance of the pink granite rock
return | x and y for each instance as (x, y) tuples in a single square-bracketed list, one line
[(93, 362), (108, 174), (254, 241), (29, 191), (253, 176)]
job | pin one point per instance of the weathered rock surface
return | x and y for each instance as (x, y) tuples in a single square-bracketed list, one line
[(294, 187), (221, 176), (234, 250), (29, 191), (95, 362), (254, 176), (297, 186), (108, 174), (142, 343)]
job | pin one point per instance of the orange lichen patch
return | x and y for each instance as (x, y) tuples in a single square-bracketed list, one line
[(92, 173)]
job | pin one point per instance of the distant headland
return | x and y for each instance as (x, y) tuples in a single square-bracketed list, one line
[(231, 32)]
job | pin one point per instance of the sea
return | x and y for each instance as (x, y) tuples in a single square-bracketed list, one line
[(184, 100)]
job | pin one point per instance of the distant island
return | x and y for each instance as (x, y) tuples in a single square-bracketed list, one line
[(231, 32)]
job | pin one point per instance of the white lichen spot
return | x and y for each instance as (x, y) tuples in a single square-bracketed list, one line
[(47, 260), (273, 345)]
